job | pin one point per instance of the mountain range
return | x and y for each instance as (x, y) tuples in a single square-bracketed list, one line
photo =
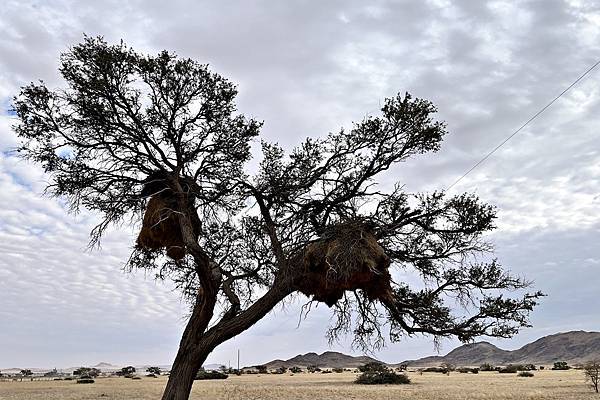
[(329, 359), (573, 347)]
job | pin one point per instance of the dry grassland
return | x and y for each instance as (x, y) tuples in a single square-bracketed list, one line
[(556, 385)]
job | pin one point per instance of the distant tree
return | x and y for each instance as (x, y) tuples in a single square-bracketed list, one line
[(26, 372), (129, 370), (154, 370), (561, 365), (92, 372), (295, 370), (591, 371), (448, 366), (487, 367), (313, 368), (157, 139), (262, 369)]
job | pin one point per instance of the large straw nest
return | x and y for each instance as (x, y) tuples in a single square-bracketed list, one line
[(346, 257), (160, 227)]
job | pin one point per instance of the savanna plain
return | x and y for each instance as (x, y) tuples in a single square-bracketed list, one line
[(427, 386)]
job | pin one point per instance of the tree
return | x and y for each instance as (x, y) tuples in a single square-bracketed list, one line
[(157, 139), (153, 370), (26, 372), (591, 371), (93, 372), (125, 371), (560, 366), (262, 369), (448, 366)]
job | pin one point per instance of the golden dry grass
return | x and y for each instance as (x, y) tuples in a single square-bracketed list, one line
[(556, 385)]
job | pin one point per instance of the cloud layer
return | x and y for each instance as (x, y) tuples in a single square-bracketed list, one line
[(307, 69)]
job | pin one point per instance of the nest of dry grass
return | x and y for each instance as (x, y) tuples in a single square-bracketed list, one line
[(160, 226), (347, 257)]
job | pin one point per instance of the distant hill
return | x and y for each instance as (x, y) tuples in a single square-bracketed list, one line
[(572, 347), (105, 365), (329, 359)]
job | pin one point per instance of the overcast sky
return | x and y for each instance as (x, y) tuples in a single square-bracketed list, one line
[(308, 68)]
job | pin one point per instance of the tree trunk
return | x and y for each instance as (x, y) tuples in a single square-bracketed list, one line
[(185, 367)]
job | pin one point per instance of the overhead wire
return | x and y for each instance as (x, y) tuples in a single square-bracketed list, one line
[(488, 155)]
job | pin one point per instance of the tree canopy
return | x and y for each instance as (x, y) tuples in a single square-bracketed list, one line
[(157, 141)]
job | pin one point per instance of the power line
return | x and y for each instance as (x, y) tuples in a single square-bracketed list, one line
[(524, 125)]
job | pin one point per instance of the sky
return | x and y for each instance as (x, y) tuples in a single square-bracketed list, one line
[(306, 69)]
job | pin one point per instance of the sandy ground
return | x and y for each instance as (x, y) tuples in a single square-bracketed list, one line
[(561, 385)]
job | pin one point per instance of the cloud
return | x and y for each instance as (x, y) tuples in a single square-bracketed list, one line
[(306, 70)]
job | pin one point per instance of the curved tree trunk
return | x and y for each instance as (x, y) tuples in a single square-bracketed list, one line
[(185, 367), (193, 350)]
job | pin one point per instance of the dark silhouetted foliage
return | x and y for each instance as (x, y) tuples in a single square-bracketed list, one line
[(560, 366), (203, 375), (379, 374)]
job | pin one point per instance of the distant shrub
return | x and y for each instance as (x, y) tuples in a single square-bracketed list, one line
[(68, 378), (203, 375), (313, 368), (151, 376), (465, 370), (509, 369), (85, 379), (525, 374), (560, 366), (338, 370), (126, 371), (153, 371), (295, 370), (542, 367), (136, 378), (440, 370), (379, 374), (487, 367), (326, 371), (262, 369)]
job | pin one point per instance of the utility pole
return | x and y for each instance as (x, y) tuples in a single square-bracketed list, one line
[(238, 368)]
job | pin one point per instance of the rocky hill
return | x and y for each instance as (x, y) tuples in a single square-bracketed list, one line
[(329, 359), (572, 347)]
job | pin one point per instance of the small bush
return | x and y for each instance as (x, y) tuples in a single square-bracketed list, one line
[(338, 370), (509, 369), (203, 375), (487, 367), (560, 366), (136, 378), (382, 378), (151, 376), (435, 369), (525, 374), (379, 374), (465, 370), (326, 371), (85, 379)]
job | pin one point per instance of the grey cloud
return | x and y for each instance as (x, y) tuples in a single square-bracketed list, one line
[(307, 69)]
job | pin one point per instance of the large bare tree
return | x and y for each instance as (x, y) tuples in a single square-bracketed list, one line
[(155, 140)]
